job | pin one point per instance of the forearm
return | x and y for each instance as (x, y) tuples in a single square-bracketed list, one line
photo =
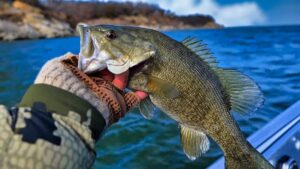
[(33, 135)]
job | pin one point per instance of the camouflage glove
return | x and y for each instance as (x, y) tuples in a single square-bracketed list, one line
[(98, 89)]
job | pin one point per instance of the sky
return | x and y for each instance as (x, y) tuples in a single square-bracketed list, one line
[(237, 12)]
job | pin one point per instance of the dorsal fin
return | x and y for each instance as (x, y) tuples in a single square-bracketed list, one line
[(201, 50), (194, 142), (245, 95)]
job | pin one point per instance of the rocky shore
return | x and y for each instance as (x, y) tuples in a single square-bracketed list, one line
[(20, 20)]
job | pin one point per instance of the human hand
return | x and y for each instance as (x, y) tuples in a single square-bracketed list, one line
[(103, 90)]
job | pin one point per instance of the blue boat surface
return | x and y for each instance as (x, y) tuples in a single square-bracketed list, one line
[(278, 141)]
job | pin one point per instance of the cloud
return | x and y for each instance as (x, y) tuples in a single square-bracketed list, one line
[(238, 14)]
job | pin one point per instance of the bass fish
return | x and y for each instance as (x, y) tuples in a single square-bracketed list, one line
[(184, 81)]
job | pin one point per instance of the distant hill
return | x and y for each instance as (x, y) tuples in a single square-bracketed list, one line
[(58, 18), (126, 13)]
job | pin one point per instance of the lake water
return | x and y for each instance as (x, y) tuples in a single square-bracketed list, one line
[(270, 55)]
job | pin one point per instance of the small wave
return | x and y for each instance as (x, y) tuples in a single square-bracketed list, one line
[(294, 45), (278, 46)]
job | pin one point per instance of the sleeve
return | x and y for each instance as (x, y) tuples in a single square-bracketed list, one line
[(32, 137)]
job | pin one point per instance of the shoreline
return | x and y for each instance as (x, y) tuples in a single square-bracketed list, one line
[(176, 29), (20, 20)]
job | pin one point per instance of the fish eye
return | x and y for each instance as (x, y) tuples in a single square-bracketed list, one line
[(111, 35)]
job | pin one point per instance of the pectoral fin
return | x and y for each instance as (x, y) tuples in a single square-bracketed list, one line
[(194, 142), (147, 108), (162, 88)]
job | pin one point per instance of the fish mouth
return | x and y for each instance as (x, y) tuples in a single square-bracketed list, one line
[(100, 59), (95, 62)]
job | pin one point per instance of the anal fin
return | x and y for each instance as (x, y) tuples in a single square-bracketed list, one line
[(194, 142)]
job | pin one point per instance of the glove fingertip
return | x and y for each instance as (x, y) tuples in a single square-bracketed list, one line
[(141, 95)]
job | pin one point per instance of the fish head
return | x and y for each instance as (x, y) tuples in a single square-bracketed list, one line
[(116, 48)]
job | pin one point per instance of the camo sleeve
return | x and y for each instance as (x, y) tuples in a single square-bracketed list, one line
[(36, 140), (34, 136)]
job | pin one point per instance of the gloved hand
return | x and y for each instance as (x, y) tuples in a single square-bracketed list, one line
[(103, 90)]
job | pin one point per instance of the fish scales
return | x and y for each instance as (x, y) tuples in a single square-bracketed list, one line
[(190, 77), (206, 107)]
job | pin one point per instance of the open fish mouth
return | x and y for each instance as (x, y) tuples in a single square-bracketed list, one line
[(96, 61), (100, 59)]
